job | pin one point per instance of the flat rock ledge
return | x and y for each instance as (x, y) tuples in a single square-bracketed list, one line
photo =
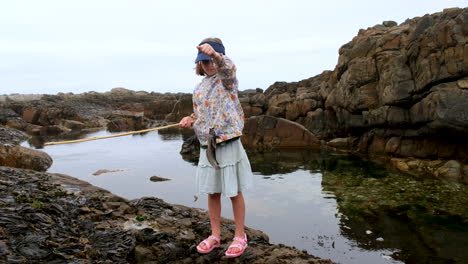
[(55, 218)]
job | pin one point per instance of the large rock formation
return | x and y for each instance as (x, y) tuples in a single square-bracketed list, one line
[(396, 91), (405, 82)]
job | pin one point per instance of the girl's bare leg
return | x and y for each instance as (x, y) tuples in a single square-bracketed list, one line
[(214, 210), (238, 207)]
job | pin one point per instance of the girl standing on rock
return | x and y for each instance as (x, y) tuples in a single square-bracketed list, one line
[(218, 120)]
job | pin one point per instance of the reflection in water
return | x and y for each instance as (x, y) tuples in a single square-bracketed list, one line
[(333, 206), (38, 141), (174, 133), (420, 220), (282, 162)]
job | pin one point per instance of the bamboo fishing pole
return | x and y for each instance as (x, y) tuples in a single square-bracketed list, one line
[(111, 136)]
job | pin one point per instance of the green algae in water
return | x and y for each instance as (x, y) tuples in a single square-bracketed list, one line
[(425, 219), (429, 199)]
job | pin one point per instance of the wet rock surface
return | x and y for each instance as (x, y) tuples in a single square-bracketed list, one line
[(54, 218)]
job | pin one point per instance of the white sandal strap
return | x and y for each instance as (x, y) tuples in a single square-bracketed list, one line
[(216, 239), (242, 240), (242, 243), (238, 246)]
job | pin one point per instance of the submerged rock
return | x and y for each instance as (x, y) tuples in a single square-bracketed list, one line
[(102, 171), (158, 179), (450, 170)]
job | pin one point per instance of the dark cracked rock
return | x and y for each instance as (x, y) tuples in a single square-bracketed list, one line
[(11, 136)]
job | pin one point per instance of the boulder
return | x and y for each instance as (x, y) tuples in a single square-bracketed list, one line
[(267, 132), (20, 157)]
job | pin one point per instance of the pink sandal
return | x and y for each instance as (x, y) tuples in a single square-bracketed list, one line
[(210, 248), (242, 245)]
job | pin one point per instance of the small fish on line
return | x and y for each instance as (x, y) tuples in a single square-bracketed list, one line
[(211, 151)]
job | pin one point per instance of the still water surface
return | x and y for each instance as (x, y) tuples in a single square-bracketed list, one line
[(288, 201)]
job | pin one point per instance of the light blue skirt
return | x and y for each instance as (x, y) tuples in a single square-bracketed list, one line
[(234, 176)]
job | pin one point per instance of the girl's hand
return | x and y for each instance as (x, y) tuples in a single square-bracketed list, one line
[(208, 50), (186, 122)]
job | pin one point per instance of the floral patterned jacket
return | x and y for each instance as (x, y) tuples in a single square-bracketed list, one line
[(216, 105)]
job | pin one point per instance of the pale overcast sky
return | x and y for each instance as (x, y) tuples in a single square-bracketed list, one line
[(78, 46)]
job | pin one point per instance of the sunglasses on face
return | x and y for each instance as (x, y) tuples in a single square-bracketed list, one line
[(207, 62)]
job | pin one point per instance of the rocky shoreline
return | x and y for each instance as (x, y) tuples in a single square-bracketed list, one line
[(55, 218)]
